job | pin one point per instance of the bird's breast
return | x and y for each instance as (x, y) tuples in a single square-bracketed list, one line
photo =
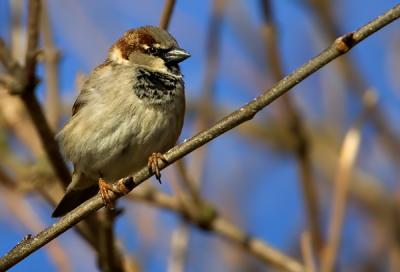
[(156, 87)]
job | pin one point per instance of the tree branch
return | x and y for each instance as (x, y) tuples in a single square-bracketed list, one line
[(51, 59), (167, 12), (339, 47), (34, 10), (26, 79), (348, 154)]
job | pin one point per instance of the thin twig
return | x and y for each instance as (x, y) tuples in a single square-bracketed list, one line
[(27, 76), (51, 58), (340, 46), (166, 14), (5, 58), (30, 101), (34, 10), (107, 258), (189, 184), (179, 245), (296, 129), (307, 252), (349, 150)]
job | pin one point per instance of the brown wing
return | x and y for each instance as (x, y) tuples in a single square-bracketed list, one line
[(79, 103)]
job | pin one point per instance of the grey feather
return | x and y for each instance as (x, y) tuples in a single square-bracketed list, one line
[(127, 110)]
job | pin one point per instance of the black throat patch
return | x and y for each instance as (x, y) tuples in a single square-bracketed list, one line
[(156, 87)]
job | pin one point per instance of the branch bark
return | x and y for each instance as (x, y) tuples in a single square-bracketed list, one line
[(339, 47), (167, 12), (348, 154)]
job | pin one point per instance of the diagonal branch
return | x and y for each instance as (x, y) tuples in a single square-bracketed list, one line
[(348, 155), (339, 47)]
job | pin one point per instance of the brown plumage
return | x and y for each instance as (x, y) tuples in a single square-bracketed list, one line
[(130, 107)]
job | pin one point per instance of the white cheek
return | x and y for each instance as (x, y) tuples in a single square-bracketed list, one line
[(159, 65), (116, 55)]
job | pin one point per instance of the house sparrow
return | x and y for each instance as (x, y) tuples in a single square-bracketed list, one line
[(130, 108)]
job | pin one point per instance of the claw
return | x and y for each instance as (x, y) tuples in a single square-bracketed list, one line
[(105, 188), (104, 192), (121, 188), (153, 164)]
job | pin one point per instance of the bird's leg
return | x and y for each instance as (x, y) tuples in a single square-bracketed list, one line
[(104, 188), (153, 164)]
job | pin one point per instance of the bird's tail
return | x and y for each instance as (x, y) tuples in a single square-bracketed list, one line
[(76, 194), (73, 199)]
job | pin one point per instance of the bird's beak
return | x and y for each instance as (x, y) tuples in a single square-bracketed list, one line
[(175, 55)]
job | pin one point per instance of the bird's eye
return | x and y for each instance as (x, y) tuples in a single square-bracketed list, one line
[(152, 50)]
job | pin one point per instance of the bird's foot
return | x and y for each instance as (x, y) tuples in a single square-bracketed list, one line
[(105, 195), (105, 188), (153, 164)]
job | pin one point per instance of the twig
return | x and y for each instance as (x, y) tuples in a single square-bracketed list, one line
[(32, 104), (307, 252), (5, 58), (26, 75), (181, 234), (341, 46), (179, 244), (34, 10), (347, 158), (166, 14), (107, 258), (51, 59), (296, 129), (189, 184)]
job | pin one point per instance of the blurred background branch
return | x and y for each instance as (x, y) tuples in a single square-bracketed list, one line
[(295, 128)]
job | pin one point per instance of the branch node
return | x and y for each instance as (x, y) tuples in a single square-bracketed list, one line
[(203, 216), (344, 43), (129, 183)]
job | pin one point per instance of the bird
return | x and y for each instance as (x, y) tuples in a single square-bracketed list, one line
[(130, 110)]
